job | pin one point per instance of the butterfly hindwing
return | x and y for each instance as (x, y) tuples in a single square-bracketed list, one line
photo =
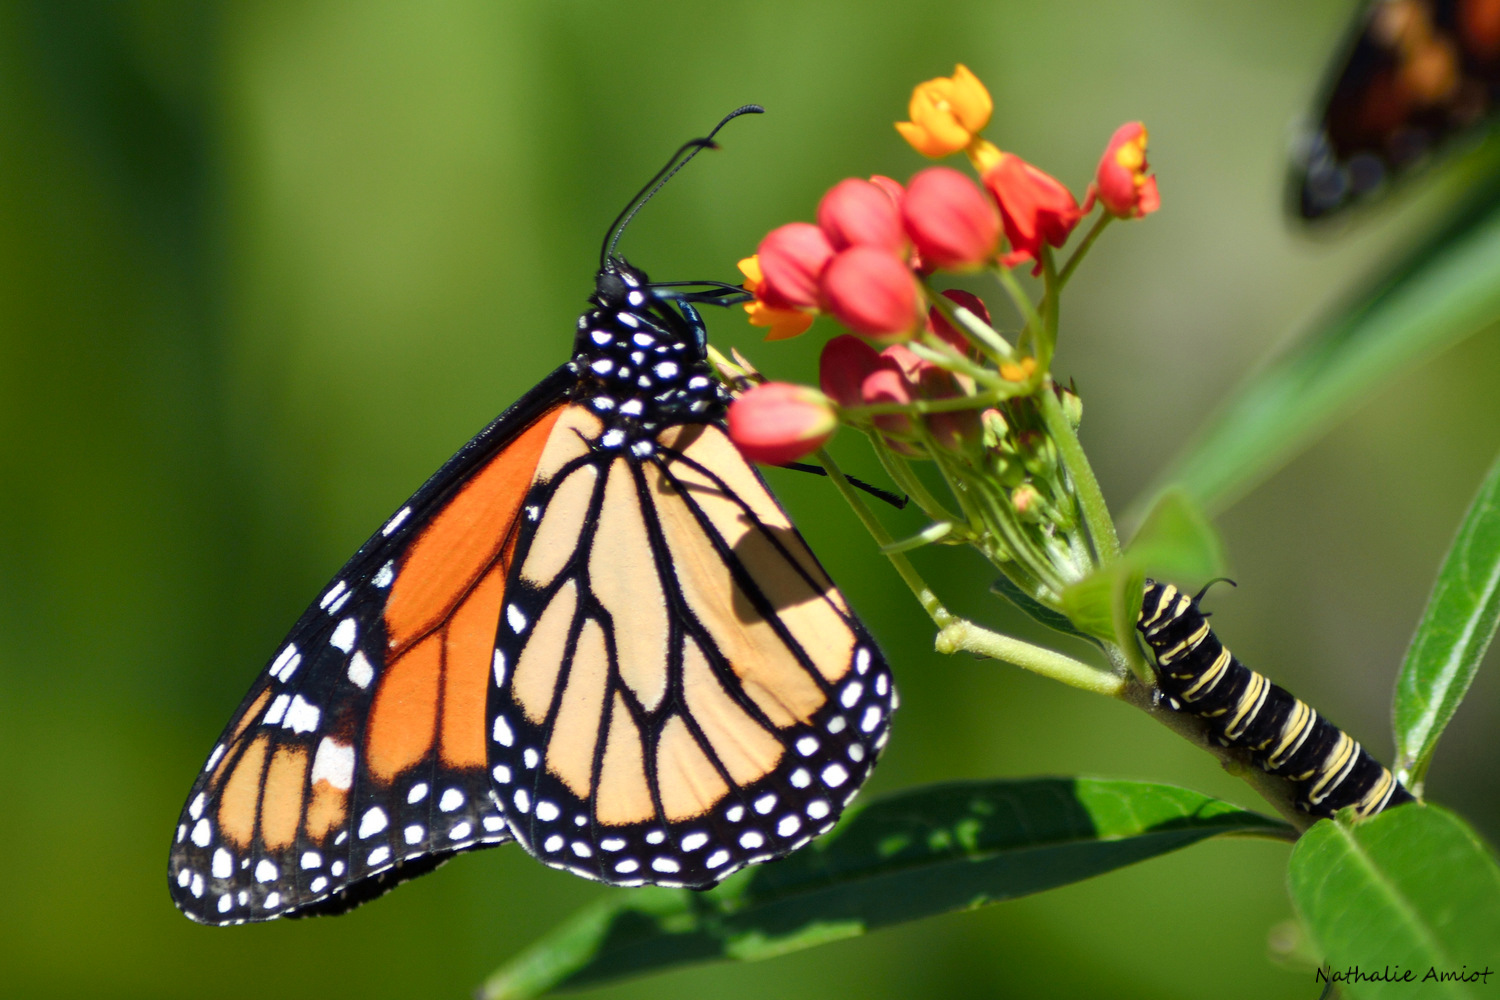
[(358, 758), (679, 690)]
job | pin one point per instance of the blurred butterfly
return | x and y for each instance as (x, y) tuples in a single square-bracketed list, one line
[(1413, 75), (593, 631)]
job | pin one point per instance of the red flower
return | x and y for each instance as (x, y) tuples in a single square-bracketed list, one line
[(1120, 183), (1035, 207), (792, 259), (872, 292), (776, 422), (938, 323), (843, 366), (861, 213), (952, 223)]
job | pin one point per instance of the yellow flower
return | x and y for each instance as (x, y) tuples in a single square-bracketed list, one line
[(784, 323), (946, 113)]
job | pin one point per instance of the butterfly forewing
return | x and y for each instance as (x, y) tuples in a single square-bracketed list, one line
[(358, 759)]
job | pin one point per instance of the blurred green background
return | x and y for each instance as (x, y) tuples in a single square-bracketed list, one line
[(264, 266)]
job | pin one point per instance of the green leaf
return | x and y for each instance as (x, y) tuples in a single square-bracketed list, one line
[(1413, 889), (1092, 603), (923, 852), (1455, 631), (1037, 611), (1176, 541), (1444, 291)]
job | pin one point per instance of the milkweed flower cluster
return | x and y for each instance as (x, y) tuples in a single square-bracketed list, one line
[(924, 371)]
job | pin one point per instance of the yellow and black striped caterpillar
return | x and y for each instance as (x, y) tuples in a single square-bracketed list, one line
[(1285, 736)]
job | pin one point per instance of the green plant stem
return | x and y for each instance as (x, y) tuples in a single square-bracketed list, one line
[(961, 635), (1083, 248), (1101, 527), (924, 594), (989, 341), (957, 634), (1020, 299)]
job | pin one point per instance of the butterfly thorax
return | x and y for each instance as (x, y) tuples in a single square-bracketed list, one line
[(641, 363)]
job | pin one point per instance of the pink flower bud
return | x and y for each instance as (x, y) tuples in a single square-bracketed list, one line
[(843, 366), (887, 384), (954, 226), (861, 213), (953, 430), (938, 323), (777, 422), (1121, 184), (910, 366), (890, 186), (872, 292), (792, 259)]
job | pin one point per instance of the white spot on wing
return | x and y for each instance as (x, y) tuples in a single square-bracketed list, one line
[(417, 794), (361, 671), (372, 822), (223, 864), (277, 711), (334, 763), (503, 734), (516, 617), (333, 594), (451, 800), (265, 871), (396, 522), (499, 668), (384, 577), (303, 716), (202, 833), (343, 635), (286, 661)]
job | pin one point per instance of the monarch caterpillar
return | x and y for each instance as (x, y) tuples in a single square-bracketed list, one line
[(593, 631), (1285, 736), (1411, 76)]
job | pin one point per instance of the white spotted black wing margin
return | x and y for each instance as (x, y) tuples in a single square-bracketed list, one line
[(357, 759), (680, 691)]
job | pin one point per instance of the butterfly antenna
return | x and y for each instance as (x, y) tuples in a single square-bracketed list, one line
[(679, 159)]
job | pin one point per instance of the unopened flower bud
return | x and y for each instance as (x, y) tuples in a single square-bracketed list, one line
[(843, 366), (950, 221), (995, 428), (952, 430), (872, 292), (946, 113), (777, 422), (1027, 502), (1072, 406), (861, 213), (888, 385), (792, 259), (1121, 184)]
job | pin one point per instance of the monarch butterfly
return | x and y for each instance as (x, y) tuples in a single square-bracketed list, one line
[(1283, 735), (592, 631), (1412, 75)]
